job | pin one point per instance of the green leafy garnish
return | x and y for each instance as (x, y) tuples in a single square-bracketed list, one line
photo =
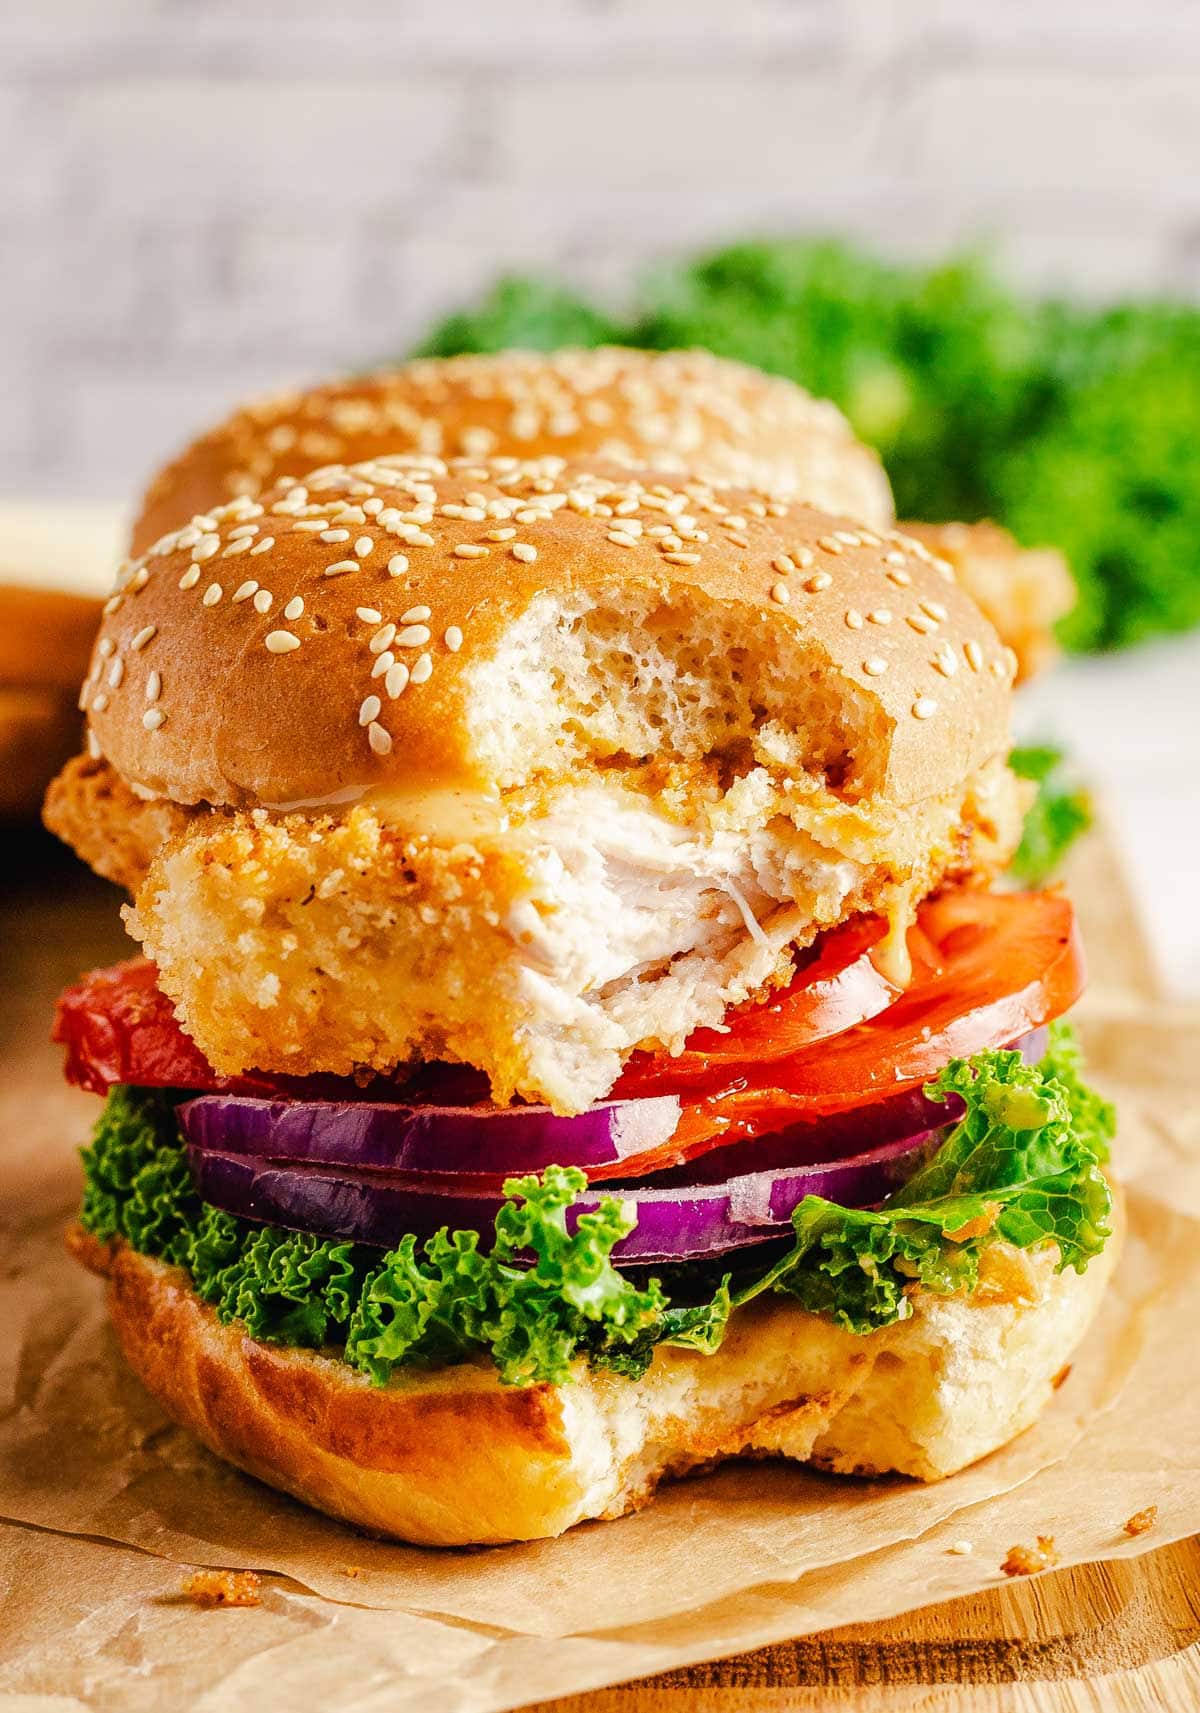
[(1054, 820), (1022, 1166)]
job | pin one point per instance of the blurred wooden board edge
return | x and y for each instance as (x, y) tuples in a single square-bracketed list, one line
[(1082, 1623)]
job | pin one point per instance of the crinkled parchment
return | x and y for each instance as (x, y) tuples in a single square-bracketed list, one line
[(103, 1500)]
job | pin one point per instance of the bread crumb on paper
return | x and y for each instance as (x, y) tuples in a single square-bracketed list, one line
[(211, 1588), (1028, 1560), (1141, 1521)]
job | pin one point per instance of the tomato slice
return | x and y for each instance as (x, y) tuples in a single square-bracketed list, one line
[(838, 986), (118, 1026), (1005, 964)]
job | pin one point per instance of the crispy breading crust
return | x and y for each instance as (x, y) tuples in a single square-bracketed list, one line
[(451, 1457)]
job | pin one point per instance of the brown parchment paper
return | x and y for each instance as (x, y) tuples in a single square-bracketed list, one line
[(102, 1501)]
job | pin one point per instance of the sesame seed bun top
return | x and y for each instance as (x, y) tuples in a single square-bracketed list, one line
[(333, 635), (672, 410)]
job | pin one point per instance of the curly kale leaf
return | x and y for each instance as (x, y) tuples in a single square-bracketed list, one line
[(1057, 816)]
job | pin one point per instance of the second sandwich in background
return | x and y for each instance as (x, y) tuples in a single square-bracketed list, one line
[(675, 410)]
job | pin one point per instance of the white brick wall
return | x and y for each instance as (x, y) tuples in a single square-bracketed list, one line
[(201, 198)]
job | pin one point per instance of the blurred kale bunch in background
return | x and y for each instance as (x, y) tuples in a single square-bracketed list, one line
[(1077, 428)]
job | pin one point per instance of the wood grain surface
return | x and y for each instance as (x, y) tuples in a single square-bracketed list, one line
[(1123, 1635)]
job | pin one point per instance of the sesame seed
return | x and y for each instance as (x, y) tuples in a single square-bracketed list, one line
[(934, 609), (620, 538), (501, 534), (364, 546), (998, 668), (784, 563), (317, 526), (115, 673), (244, 590), (901, 579), (880, 616), (281, 642), (682, 558), (848, 537), (397, 565), (368, 710), (804, 557), (212, 594), (412, 636), (415, 616), (924, 707), (854, 618), (422, 669), (373, 507), (335, 535), (368, 615), (454, 639), (263, 546), (153, 718), (241, 545), (781, 593), (830, 543), (205, 548), (93, 744), (396, 680), (974, 654), (294, 608), (99, 702), (919, 623), (379, 740), (946, 661), (818, 581), (340, 567), (895, 557), (263, 600), (143, 637), (382, 639), (111, 605), (1011, 661), (153, 687), (521, 550), (243, 529), (104, 647), (737, 540), (418, 538), (470, 550), (875, 667), (140, 578), (384, 663)]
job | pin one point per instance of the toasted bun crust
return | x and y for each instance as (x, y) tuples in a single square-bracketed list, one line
[(248, 658), (1024, 591), (452, 1458), (671, 409)]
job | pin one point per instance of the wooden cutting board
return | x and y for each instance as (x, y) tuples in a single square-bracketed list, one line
[(1035, 1645)]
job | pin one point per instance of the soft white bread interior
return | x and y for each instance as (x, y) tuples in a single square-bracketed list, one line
[(452, 1458)]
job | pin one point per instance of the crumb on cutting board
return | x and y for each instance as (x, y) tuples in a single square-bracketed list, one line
[(1141, 1521), (211, 1588), (1028, 1560)]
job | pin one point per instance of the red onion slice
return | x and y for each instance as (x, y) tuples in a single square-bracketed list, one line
[(479, 1141), (673, 1224)]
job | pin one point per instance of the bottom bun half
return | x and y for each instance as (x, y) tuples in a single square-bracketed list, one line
[(453, 1458)]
